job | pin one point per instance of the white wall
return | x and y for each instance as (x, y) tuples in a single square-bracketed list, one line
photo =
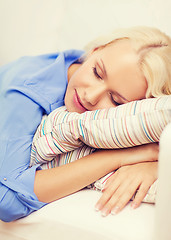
[(30, 27)]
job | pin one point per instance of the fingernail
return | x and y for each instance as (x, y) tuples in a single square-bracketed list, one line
[(97, 207), (115, 210), (104, 212)]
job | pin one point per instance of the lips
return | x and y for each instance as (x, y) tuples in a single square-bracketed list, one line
[(78, 104)]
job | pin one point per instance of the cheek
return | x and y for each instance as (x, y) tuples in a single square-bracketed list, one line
[(73, 84), (104, 102), (80, 80), (75, 79)]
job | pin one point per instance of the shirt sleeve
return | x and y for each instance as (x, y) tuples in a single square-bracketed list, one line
[(19, 119), (29, 88)]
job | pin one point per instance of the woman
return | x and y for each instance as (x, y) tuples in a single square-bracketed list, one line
[(128, 65)]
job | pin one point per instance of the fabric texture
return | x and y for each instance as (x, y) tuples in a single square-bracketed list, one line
[(29, 88), (63, 137)]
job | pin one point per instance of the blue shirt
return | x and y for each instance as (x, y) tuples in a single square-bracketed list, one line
[(29, 88)]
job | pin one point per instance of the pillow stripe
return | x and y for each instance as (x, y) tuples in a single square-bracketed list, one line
[(129, 137), (135, 108), (144, 127), (113, 137), (116, 135), (152, 130)]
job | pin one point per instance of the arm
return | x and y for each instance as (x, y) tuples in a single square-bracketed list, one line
[(17, 198), (52, 184)]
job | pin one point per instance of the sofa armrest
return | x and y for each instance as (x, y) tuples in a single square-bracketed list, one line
[(163, 206)]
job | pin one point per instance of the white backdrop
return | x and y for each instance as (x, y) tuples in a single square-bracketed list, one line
[(31, 27)]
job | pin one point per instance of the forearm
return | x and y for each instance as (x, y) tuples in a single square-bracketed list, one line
[(55, 183), (52, 184)]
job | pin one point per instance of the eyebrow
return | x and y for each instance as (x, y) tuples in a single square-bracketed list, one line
[(105, 74)]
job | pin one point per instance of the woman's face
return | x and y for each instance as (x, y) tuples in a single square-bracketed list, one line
[(109, 77)]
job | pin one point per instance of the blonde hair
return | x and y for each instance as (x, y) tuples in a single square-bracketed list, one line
[(154, 50)]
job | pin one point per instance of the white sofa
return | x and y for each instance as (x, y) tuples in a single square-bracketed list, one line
[(163, 204), (35, 27), (74, 217)]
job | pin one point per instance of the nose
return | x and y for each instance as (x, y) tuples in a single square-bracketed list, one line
[(94, 94)]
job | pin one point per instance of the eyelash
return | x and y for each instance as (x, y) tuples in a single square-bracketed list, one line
[(96, 73), (116, 103)]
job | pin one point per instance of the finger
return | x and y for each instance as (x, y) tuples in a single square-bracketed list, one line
[(120, 198), (141, 193), (123, 198), (106, 195), (111, 178), (104, 199)]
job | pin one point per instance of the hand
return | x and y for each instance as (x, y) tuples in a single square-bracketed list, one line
[(123, 184)]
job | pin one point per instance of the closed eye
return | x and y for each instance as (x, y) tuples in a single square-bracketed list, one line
[(115, 103), (96, 73)]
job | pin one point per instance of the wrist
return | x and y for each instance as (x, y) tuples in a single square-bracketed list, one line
[(139, 154)]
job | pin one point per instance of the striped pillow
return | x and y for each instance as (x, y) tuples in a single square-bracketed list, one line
[(128, 125), (61, 136)]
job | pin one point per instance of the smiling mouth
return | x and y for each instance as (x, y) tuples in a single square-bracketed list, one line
[(78, 102)]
